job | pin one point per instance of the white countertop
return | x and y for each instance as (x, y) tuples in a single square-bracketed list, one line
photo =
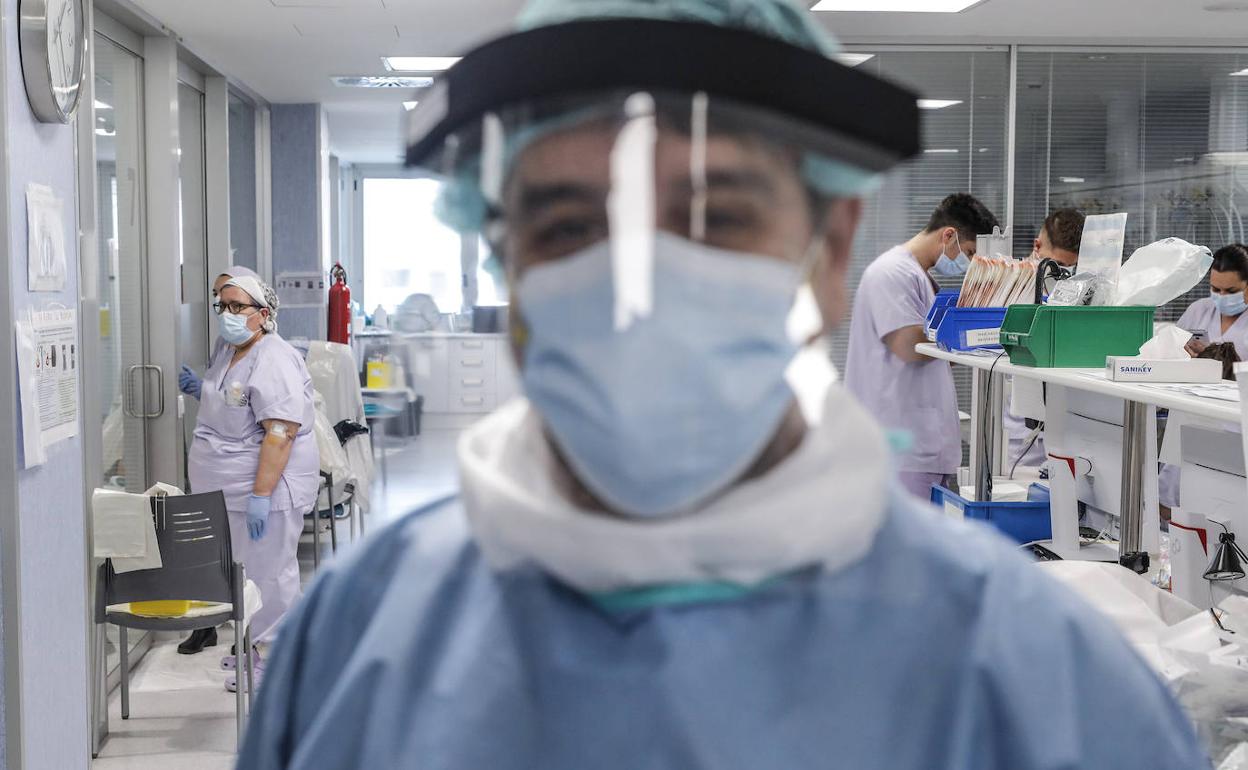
[(1094, 380), (434, 335)]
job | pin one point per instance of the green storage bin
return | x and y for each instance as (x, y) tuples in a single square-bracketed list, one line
[(1074, 337)]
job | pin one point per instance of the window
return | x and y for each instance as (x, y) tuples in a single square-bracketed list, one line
[(1161, 136), (407, 250)]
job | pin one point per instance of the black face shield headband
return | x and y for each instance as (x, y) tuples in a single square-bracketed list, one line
[(838, 111)]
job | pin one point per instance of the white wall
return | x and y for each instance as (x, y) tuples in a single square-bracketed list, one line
[(44, 548)]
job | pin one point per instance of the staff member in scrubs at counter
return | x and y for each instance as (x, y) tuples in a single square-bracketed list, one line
[(903, 390), (1221, 317)]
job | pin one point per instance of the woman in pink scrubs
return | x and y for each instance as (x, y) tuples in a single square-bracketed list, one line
[(254, 442)]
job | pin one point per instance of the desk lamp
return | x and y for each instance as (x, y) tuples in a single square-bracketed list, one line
[(1228, 559)]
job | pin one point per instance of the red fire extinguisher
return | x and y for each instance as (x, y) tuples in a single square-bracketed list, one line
[(339, 305)]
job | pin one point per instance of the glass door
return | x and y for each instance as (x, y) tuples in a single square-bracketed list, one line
[(122, 376), (119, 170), (193, 333)]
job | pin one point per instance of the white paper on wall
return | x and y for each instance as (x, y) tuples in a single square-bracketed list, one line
[(45, 239), (296, 290), (47, 369)]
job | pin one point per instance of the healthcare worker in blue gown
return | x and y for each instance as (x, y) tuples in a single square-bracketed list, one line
[(658, 558)]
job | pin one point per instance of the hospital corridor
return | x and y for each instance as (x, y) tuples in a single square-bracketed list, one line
[(624, 385)]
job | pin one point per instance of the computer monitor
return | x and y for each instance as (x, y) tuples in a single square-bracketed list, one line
[(1214, 488), (1089, 427)]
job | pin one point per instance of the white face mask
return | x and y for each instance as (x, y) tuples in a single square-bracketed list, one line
[(234, 330), (952, 268), (1230, 304), (661, 416)]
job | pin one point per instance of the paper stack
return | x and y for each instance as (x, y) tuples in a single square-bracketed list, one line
[(998, 282)]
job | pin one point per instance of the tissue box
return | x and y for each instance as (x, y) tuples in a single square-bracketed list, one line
[(1137, 369)]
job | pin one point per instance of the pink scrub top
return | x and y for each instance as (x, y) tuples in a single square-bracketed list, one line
[(1203, 315), (918, 397), (272, 384)]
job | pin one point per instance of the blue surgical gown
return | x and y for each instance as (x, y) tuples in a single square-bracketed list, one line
[(942, 648)]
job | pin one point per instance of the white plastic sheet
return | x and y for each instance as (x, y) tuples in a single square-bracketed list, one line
[(1167, 345), (1205, 667), (335, 377), (1159, 272), (123, 528)]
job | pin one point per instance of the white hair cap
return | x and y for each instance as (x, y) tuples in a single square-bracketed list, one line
[(252, 286)]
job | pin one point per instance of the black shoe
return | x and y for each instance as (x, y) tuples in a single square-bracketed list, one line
[(198, 640)]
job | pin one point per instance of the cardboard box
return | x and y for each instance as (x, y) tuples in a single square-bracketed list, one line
[(1136, 369)]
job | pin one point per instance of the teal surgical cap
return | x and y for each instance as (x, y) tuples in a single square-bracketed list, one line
[(462, 204)]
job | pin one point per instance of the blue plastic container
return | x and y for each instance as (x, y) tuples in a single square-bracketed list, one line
[(1024, 522), (970, 328), (944, 300)]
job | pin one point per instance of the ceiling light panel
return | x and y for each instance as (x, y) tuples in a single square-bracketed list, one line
[(938, 104), (380, 81), (324, 3), (321, 26), (896, 6), (852, 59), (419, 63)]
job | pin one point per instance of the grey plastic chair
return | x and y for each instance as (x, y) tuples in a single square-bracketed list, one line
[(193, 532)]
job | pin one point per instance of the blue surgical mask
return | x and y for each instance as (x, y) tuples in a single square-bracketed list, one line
[(233, 328), (664, 414), (952, 268), (1230, 304)]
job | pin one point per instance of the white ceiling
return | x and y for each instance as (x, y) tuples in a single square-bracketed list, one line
[(286, 50)]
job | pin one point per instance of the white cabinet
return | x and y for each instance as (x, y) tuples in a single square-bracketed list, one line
[(426, 359), (460, 373)]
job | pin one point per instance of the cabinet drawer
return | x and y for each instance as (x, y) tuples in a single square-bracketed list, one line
[(472, 364), (473, 403), (428, 343), (461, 345), (470, 384)]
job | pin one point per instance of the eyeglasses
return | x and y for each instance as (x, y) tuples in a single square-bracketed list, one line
[(232, 307)]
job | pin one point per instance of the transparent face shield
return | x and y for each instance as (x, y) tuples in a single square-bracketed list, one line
[(671, 264)]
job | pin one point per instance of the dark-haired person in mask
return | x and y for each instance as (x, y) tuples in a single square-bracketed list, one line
[(1220, 318), (903, 390)]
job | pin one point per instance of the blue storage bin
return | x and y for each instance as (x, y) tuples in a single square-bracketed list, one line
[(970, 328), (1025, 522), (1038, 493), (944, 300)]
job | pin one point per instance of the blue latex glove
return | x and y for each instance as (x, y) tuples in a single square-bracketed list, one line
[(258, 515), (189, 382)]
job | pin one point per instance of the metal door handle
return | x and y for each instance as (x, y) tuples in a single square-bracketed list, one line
[(128, 398), (160, 389), (131, 177)]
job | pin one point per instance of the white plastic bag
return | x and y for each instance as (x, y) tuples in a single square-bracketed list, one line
[(1162, 271), (333, 457)]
